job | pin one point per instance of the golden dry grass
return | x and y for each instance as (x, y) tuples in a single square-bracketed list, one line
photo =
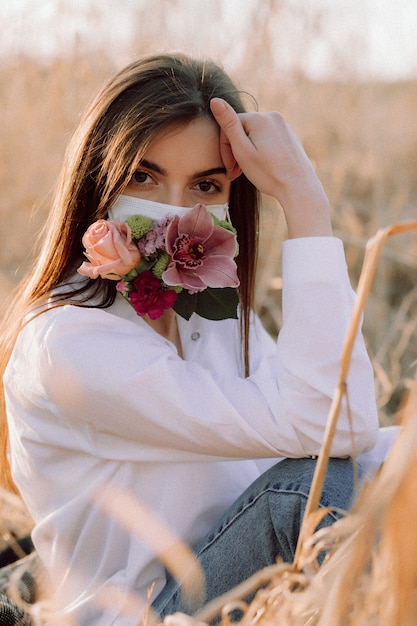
[(362, 138)]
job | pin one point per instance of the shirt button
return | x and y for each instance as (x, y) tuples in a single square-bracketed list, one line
[(195, 336)]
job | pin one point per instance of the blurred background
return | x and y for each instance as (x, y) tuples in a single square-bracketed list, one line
[(343, 72)]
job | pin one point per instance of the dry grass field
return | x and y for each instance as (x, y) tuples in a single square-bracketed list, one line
[(362, 138)]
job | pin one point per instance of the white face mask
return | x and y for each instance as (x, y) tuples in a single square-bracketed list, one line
[(125, 206)]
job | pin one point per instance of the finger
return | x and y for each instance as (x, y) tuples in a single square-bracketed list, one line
[(235, 172), (226, 152), (226, 117)]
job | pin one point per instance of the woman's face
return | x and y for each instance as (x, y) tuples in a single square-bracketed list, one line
[(183, 167)]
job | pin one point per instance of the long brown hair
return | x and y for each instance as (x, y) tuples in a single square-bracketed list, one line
[(147, 96)]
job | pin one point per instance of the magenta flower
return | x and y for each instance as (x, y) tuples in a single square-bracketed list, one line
[(149, 297), (202, 253)]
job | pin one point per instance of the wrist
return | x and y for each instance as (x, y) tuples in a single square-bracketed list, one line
[(308, 220), (307, 213)]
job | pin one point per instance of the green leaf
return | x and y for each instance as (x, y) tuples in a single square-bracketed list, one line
[(218, 304), (145, 264), (185, 304), (212, 304), (131, 275)]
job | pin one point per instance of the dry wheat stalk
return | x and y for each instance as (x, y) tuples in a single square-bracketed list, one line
[(372, 254)]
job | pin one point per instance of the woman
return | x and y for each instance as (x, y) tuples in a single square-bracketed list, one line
[(128, 369)]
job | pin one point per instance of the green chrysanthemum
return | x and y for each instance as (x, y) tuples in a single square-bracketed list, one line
[(139, 225), (161, 264)]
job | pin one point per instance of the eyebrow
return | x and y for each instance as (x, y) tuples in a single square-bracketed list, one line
[(156, 168)]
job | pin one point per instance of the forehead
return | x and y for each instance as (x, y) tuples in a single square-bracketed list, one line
[(195, 144)]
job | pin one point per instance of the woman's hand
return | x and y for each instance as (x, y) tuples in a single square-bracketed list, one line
[(264, 147)]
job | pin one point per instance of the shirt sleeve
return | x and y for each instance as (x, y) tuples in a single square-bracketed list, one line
[(119, 392)]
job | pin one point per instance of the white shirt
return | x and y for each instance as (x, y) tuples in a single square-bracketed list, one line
[(96, 398)]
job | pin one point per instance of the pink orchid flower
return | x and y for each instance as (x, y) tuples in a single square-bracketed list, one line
[(202, 253)]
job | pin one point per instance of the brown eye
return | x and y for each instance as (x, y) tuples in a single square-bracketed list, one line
[(141, 178), (208, 186)]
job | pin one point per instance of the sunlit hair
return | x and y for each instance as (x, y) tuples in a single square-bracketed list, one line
[(133, 107)]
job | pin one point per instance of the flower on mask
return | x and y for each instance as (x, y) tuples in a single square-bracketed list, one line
[(202, 254), (182, 263), (110, 251), (154, 239), (148, 297)]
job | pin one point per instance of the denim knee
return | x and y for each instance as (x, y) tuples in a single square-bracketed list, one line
[(263, 525), (275, 503)]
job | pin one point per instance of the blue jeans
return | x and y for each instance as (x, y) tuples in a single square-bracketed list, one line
[(260, 526)]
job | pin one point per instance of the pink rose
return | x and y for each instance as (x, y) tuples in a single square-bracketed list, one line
[(202, 253), (109, 249), (149, 296)]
